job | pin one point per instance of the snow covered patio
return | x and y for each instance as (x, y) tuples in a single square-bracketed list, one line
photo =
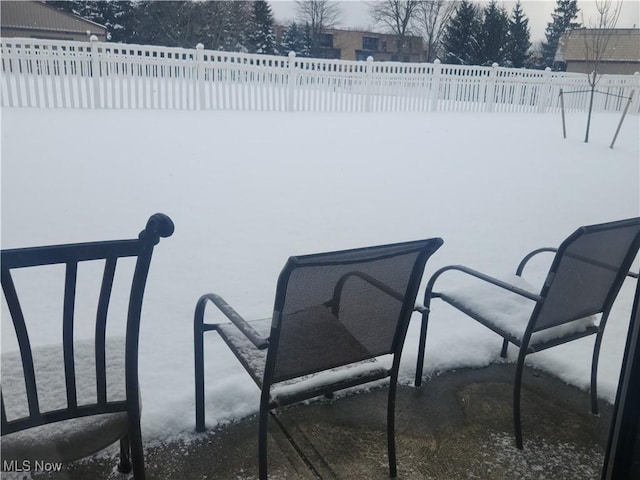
[(246, 190), (457, 427)]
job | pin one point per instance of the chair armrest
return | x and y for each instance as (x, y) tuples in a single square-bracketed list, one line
[(530, 255), (247, 330), (484, 277), (337, 291), (420, 308)]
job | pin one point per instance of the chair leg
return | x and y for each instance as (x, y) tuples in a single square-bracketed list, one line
[(505, 346), (517, 387), (137, 452), (421, 346), (262, 440), (124, 465), (199, 378), (594, 373), (391, 427)]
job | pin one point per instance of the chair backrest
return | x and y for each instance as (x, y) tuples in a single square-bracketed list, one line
[(337, 308), (68, 257), (587, 272)]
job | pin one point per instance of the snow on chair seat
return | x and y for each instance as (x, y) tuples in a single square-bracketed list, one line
[(507, 313), (71, 439)]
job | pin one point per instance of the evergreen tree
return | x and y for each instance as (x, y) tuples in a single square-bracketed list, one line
[(519, 41), (170, 24), (492, 39), (296, 39), (565, 13), (213, 29), (460, 42), (308, 41), (260, 38), (288, 40), (238, 15)]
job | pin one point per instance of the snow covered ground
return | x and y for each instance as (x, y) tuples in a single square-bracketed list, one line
[(246, 190)]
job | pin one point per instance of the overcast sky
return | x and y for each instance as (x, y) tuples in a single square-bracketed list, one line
[(355, 13)]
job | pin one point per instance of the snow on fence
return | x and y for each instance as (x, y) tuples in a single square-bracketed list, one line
[(68, 74)]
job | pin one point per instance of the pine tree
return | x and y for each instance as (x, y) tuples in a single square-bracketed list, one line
[(565, 13), (295, 39), (212, 24), (308, 41), (260, 38), (519, 42), (170, 24), (493, 35), (460, 42), (235, 31)]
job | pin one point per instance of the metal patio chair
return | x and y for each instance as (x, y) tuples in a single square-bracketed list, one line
[(338, 309), (62, 402), (583, 281)]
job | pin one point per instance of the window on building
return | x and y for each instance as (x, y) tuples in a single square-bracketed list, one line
[(370, 43), (325, 40), (329, 53)]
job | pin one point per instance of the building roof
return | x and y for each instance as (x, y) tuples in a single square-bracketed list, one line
[(623, 44), (38, 16)]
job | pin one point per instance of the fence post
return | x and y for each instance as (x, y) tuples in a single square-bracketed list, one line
[(368, 90), (199, 77), (435, 86), (624, 114), (635, 106), (291, 81), (564, 125), (491, 88), (543, 99), (95, 70)]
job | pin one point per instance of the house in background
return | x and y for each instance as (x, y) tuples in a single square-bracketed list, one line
[(39, 20), (621, 55), (357, 45)]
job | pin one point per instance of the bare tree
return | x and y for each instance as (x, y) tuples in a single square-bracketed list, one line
[(432, 17), (596, 45), (398, 15), (320, 15)]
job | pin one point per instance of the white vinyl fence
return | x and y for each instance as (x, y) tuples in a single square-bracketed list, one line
[(67, 74)]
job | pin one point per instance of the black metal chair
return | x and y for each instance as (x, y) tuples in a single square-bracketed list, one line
[(338, 309), (62, 402), (583, 281)]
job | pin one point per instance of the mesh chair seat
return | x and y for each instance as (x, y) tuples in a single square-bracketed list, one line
[(65, 441), (315, 323), (508, 313)]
